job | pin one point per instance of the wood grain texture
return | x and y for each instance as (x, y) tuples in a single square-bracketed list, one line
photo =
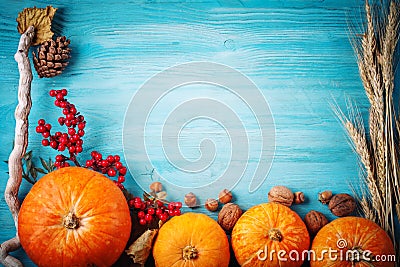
[(297, 52)]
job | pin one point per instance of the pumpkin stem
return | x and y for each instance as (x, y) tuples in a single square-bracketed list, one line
[(71, 221), (189, 253), (275, 234)]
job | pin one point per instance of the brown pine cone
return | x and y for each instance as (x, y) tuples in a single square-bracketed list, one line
[(52, 57)]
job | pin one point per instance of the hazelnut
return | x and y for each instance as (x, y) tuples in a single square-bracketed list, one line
[(225, 196), (156, 187), (191, 200), (281, 194), (298, 197), (229, 215), (314, 221), (211, 204), (325, 196), (342, 205)]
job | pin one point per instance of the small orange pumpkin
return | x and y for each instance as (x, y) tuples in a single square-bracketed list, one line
[(352, 242), (74, 217), (270, 234), (192, 239)]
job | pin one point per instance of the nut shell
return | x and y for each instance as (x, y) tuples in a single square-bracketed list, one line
[(211, 204), (156, 187), (190, 200), (314, 221), (225, 196), (229, 215), (298, 197), (325, 197), (281, 194), (342, 205)]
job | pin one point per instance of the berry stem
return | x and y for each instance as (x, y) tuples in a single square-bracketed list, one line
[(74, 160)]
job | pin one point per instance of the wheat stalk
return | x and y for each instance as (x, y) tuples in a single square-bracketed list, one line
[(389, 44), (368, 211), (370, 71), (358, 137), (370, 63), (379, 153), (361, 147)]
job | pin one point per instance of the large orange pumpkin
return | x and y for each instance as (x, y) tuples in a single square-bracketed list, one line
[(192, 239), (352, 242), (74, 217), (270, 234)]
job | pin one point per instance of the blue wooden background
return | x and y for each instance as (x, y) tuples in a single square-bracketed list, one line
[(297, 52)]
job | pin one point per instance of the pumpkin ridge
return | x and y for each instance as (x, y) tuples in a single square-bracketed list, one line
[(175, 263), (266, 212), (249, 260), (170, 244), (370, 236), (44, 203), (105, 233), (82, 240), (170, 256), (85, 215), (76, 203), (52, 239), (288, 226), (331, 264), (364, 238), (260, 223), (61, 200), (284, 226), (203, 246), (194, 236), (338, 232), (291, 238)]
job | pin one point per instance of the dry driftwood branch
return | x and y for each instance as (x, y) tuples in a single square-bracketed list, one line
[(20, 143)]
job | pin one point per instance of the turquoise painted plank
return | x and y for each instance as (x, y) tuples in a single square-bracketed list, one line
[(297, 53)]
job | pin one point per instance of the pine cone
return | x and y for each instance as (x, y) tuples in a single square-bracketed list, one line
[(52, 57)]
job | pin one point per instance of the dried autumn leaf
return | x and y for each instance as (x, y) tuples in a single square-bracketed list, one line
[(162, 195), (140, 250), (41, 19)]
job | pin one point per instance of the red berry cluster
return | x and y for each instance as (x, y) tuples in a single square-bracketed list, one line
[(72, 142), (150, 210), (111, 166), (72, 139)]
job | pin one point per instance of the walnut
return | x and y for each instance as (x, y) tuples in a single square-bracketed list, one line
[(325, 196), (342, 205), (314, 221), (211, 204), (229, 215), (298, 198), (225, 196), (281, 194), (191, 200)]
